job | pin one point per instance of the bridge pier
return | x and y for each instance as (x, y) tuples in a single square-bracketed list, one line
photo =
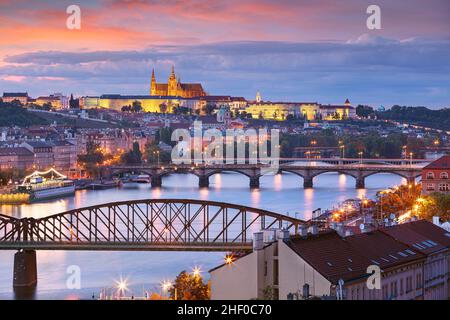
[(411, 180), (360, 183), (307, 182), (25, 269), (156, 181), (203, 181), (254, 182)]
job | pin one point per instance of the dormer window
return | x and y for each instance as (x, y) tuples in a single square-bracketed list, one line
[(430, 175), (444, 175)]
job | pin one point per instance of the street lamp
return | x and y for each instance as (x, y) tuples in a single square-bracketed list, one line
[(196, 271), (360, 157), (165, 285), (342, 147)]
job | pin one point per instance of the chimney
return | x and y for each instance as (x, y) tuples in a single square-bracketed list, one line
[(436, 221), (283, 234), (258, 240)]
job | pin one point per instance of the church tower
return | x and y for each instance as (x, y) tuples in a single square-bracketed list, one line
[(172, 84), (258, 97), (153, 84)]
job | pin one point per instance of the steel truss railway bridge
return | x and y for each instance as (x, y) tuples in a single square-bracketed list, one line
[(145, 225), (307, 170)]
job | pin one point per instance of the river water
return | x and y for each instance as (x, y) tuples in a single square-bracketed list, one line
[(146, 270)]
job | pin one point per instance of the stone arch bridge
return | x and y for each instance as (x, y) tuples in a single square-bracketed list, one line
[(255, 171)]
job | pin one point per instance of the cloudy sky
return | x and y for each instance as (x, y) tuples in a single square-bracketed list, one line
[(290, 50)]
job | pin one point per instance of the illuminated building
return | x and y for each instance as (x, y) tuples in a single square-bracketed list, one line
[(307, 110), (280, 110), (175, 88), (22, 97), (412, 257), (56, 100), (162, 104), (435, 176)]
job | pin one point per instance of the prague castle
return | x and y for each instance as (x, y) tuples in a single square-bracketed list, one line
[(175, 88)]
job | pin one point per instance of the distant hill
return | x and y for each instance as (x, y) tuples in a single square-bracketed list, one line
[(13, 115), (438, 119)]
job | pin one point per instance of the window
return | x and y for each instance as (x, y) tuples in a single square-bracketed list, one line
[(444, 175), (419, 281), (430, 175), (401, 286), (430, 186), (385, 292), (444, 187), (394, 289), (409, 284)]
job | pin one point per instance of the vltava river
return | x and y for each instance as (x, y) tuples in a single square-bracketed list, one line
[(145, 270)]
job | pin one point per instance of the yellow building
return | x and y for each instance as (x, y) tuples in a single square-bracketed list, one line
[(161, 104), (175, 88), (306, 110), (280, 110)]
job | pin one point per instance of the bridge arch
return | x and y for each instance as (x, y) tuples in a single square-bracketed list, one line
[(318, 173), (136, 170), (404, 175)]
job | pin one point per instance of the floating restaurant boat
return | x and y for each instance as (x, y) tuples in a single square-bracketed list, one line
[(46, 185)]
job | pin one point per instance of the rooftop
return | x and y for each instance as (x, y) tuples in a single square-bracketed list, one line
[(441, 163), (15, 94)]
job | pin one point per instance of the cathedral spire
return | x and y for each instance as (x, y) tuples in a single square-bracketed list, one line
[(153, 83), (172, 73)]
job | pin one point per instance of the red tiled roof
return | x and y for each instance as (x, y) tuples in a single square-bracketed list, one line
[(441, 163), (348, 258), (330, 256), (422, 236)]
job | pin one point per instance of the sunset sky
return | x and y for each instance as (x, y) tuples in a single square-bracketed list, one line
[(289, 50)]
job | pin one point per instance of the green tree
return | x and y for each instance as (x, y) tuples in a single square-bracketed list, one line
[(364, 111), (136, 106), (133, 156), (92, 159), (155, 155)]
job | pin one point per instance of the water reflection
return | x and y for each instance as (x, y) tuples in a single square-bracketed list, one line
[(279, 193)]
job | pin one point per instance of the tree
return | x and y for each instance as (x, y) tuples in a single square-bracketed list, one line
[(435, 204), (136, 106), (209, 108), (154, 154), (364, 111), (189, 287), (92, 159), (133, 156)]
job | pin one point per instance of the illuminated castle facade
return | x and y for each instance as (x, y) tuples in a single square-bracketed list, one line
[(175, 88)]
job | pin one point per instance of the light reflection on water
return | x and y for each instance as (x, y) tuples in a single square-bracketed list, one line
[(279, 193)]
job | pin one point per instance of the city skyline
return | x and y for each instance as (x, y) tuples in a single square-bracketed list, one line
[(289, 50)]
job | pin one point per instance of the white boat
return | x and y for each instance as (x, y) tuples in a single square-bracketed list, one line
[(47, 185), (142, 178)]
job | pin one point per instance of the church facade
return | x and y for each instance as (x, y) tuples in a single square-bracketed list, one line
[(175, 88)]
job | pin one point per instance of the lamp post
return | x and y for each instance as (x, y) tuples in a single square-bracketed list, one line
[(342, 147), (436, 144), (360, 157)]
